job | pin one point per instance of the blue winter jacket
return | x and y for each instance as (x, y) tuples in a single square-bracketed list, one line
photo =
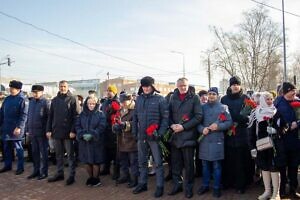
[(150, 109), (37, 117), (288, 114), (13, 114)]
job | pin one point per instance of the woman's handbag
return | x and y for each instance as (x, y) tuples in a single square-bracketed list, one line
[(264, 143)]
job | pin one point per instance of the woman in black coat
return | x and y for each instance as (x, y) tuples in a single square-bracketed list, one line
[(265, 122), (90, 128)]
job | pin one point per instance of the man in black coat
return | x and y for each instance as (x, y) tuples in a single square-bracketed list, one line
[(64, 111), (185, 115), (111, 109), (237, 164)]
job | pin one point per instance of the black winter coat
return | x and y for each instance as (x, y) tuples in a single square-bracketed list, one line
[(38, 112), (190, 107), (235, 103), (269, 160), (64, 111), (91, 122), (150, 109)]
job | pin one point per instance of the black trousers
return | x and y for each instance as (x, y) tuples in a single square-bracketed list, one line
[(183, 158), (237, 167), (290, 171)]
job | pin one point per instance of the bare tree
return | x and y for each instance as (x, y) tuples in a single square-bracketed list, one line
[(253, 52)]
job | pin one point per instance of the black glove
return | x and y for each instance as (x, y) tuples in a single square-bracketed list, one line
[(123, 125), (157, 137), (117, 129)]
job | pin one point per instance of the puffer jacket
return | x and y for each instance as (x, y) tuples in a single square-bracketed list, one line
[(64, 111), (150, 109), (13, 114), (190, 107)]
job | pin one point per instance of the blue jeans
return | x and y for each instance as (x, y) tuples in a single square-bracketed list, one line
[(143, 150), (217, 171)]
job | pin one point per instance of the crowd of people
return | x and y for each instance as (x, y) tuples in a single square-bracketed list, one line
[(227, 139)]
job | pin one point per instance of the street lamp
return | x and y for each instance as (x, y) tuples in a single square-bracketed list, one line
[(209, 52), (8, 62), (183, 61), (284, 46)]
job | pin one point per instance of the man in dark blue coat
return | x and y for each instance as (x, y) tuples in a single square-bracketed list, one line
[(36, 129), (13, 116), (290, 139), (151, 111)]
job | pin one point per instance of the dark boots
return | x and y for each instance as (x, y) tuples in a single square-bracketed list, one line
[(124, 178), (133, 181), (116, 172)]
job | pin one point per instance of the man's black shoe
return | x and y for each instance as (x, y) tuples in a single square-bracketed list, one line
[(33, 175), (294, 195), (189, 193), (55, 178), (140, 188), (241, 191), (168, 177), (202, 190), (176, 189), (217, 193), (43, 176), (70, 180), (19, 171), (159, 192), (4, 169)]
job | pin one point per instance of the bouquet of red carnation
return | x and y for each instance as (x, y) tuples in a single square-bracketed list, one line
[(152, 131), (169, 132), (249, 105), (232, 130), (221, 118), (296, 107)]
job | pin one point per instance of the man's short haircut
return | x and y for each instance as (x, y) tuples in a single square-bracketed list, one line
[(182, 79), (62, 81)]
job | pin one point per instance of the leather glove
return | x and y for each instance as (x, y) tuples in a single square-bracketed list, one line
[(122, 125), (87, 137), (117, 129), (157, 137)]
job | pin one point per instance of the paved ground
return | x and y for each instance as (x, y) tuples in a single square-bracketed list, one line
[(14, 187)]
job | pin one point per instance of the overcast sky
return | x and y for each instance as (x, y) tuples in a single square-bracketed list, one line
[(141, 32)]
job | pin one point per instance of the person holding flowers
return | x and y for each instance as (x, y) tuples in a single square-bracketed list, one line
[(264, 123), (185, 115), (284, 105), (238, 169), (150, 122), (216, 119)]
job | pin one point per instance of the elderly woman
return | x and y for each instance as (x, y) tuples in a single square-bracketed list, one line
[(127, 145), (264, 122), (90, 128), (216, 119)]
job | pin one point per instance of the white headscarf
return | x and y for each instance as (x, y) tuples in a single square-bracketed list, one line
[(262, 110)]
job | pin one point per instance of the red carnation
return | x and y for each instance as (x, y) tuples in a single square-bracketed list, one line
[(150, 130), (115, 106), (295, 104), (222, 117), (266, 118), (185, 118)]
